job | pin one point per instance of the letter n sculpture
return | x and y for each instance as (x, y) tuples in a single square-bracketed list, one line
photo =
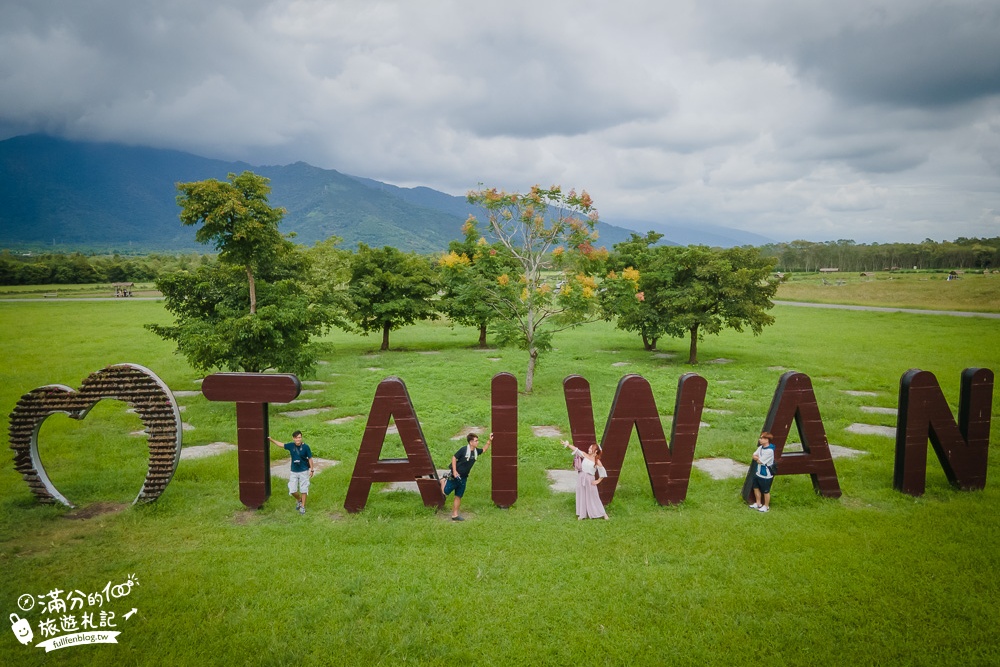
[(924, 414)]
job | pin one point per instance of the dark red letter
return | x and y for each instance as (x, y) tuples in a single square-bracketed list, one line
[(668, 465), (924, 413), (393, 402), (252, 392), (794, 399), (504, 450)]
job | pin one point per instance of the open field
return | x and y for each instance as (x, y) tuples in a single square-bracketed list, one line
[(924, 290), (95, 290), (875, 577)]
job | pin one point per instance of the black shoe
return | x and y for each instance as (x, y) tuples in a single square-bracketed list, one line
[(457, 518)]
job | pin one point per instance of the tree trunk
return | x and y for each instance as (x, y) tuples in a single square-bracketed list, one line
[(253, 291), (385, 337), (648, 344), (482, 335), (529, 379), (693, 354)]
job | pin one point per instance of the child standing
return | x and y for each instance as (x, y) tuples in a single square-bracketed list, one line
[(763, 473)]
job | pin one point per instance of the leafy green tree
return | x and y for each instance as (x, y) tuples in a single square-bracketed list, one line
[(469, 274), (709, 290), (236, 218), (328, 278), (214, 328), (249, 312), (535, 227), (389, 289), (630, 289)]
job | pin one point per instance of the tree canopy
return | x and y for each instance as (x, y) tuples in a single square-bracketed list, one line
[(532, 227), (469, 274), (633, 271), (236, 218), (706, 290), (389, 289), (223, 320)]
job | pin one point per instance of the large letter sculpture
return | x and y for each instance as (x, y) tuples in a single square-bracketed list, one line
[(393, 402), (252, 392), (137, 386), (794, 399), (503, 454), (924, 413), (668, 465)]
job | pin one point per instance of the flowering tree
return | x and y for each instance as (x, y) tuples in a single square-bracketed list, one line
[(530, 228), (469, 273)]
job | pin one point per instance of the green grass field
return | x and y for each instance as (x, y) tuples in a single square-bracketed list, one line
[(927, 290), (875, 577)]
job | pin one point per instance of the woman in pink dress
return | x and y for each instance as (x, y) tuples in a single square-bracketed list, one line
[(591, 472)]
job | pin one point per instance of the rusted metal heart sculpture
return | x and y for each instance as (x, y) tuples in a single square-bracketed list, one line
[(133, 384)]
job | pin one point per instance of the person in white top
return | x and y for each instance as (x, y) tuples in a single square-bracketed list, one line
[(763, 473), (588, 500)]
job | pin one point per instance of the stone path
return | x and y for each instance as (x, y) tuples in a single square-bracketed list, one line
[(410, 487), (836, 451), (466, 430), (546, 431), (879, 411), (871, 429), (203, 451), (879, 309), (562, 480), (722, 468), (305, 413), (343, 420)]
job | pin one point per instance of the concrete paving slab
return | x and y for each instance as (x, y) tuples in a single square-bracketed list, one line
[(204, 451)]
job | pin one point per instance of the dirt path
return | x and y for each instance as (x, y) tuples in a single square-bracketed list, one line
[(880, 309)]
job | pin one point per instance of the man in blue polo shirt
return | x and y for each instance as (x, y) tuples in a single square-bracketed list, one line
[(302, 469), (461, 466)]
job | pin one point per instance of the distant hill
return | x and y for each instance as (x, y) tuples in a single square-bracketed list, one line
[(697, 233), (55, 192), (105, 195)]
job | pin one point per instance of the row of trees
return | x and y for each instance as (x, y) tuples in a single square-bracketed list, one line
[(539, 273), (78, 269), (963, 253)]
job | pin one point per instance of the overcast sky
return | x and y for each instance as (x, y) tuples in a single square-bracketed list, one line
[(872, 120)]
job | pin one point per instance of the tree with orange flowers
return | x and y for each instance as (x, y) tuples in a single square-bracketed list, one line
[(540, 230)]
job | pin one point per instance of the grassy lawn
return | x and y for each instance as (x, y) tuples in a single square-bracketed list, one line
[(924, 290), (95, 290), (875, 577)]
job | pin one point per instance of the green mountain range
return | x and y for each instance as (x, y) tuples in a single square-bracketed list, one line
[(62, 193)]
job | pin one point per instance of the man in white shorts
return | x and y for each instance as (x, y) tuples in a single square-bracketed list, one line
[(302, 469)]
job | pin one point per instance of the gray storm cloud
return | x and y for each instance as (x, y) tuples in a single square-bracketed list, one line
[(857, 119)]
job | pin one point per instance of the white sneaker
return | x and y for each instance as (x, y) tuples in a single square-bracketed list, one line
[(763, 508), (754, 506)]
